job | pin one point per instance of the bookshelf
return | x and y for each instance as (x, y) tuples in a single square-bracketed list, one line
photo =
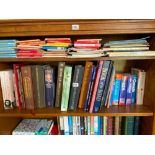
[(106, 29)]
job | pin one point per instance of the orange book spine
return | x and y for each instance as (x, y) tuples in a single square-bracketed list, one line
[(85, 83)]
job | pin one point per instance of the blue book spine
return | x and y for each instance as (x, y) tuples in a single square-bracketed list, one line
[(95, 125), (6, 45), (129, 91), (101, 86), (91, 90), (113, 89), (53, 48), (66, 125), (136, 125), (123, 90), (70, 123), (116, 92), (78, 125), (89, 128), (101, 125), (134, 88), (8, 41), (8, 52), (49, 86), (88, 92)]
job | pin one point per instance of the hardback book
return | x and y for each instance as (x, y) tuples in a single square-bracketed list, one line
[(96, 132), (38, 86), (101, 125), (92, 125), (49, 86), (78, 127), (134, 88), (117, 125), (66, 125), (15, 92), (129, 91), (61, 125), (101, 86), (70, 123), (74, 125), (129, 125), (27, 86), (109, 125), (85, 125), (137, 121), (89, 125), (6, 78), (105, 124), (82, 125), (61, 67), (76, 87), (90, 87), (140, 85), (116, 89), (98, 74), (66, 87), (85, 84), (123, 90)]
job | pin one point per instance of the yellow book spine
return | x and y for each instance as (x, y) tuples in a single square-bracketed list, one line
[(58, 44)]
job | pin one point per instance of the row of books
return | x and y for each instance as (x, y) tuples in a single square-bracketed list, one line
[(36, 127), (68, 87), (63, 47), (99, 125)]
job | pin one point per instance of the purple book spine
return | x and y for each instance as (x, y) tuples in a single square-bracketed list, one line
[(129, 91)]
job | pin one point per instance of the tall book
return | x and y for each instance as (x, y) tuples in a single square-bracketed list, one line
[(85, 125), (92, 125), (6, 78), (27, 86), (134, 88), (100, 64), (78, 127), (129, 91), (66, 87), (70, 123), (49, 86), (85, 83), (101, 125), (76, 86), (82, 125), (61, 67), (110, 125), (101, 86), (137, 121), (117, 125), (140, 85), (38, 86), (105, 124), (66, 125), (74, 125), (123, 90), (128, 125), (89, 125)]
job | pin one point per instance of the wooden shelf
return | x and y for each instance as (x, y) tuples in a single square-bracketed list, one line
[(56, 59), (53, 112)]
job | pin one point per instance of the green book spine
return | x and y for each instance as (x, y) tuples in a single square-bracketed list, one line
[(129, 125), (66, 88)]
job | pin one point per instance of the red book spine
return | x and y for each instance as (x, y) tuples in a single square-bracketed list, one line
[(110, 125), (95, 46), (29, 54), (96, 86), (27, 51), (87, 42), (58, 41), (15, 67)]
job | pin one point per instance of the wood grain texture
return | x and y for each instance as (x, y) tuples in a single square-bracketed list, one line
[(49, 112)]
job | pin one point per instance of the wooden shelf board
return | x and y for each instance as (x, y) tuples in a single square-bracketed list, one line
[(48, 59), (53, 112)]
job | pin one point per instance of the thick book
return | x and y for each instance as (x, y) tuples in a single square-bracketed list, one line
[(85, 83), (96, 132), (66, 125), (123, 90), (117, 125), (6, 78), (66, 88), (137, 122), (70, 123), (49, 74), (134, 88), (101, 86), (110, 125), (61, 67), (27, 86), (38, 86), (129, 91), (98, 74), (129, 125), (76, 87), (140, 85), (61, 125)]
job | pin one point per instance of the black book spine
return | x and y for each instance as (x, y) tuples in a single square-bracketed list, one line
[(101, 125), (82, 125), (76, 86)]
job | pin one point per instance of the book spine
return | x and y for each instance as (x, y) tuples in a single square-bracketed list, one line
[(129, 125), (136, 125), (74, 125), (76, 86), (116, 132), (66, 125), (85, 125), (101, 86), (70, 123), (85, 83), (129, 91), (66, 88), (78, 127), (123, 90), (89, 125), (91, 90), (110, 125), (61, 67), (120, 125), (82, 125), (96, 86), (49, 86), (95, 125), (134, 88), (101, 125), (105, 125), (92, 125), (116, 93), (27, 85)]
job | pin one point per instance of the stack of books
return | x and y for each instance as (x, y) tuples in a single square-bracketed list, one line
[(91, 87), (56, 47), (86, 48), (29, 48), (36, 127), (8, 48), (127, 47), (98, 125)]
